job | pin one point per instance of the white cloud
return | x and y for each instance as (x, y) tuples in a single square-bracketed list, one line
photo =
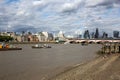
[(72, 6), (69, 7), (66, 15), (36, 3), (40, 4), (93, 2), (20, 12)]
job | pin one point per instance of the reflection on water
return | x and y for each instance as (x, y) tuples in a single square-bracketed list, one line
[(35, 64)]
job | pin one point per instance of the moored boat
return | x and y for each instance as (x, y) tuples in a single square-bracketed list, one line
[(37, 47), (7, 49), (41, 46)]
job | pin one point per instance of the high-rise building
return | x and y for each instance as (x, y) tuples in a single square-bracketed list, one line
[(116, 34), (97, 33)]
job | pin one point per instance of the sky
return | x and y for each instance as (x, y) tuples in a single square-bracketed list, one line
[(69, 16)]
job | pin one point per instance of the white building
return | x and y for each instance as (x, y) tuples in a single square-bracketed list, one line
[(61, 36), (41, 36), (44, 36)]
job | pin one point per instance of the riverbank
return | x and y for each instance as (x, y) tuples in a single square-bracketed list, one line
[(102, 68), (44, 42)]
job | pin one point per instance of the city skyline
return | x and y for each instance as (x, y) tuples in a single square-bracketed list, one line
[(70, 16)]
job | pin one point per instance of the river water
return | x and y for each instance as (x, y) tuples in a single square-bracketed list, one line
[(42, 64)]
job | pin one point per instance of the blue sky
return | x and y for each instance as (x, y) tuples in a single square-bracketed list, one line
[(69, 16)]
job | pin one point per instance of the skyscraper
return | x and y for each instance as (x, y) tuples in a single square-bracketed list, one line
[(116, 34), (97, 33)]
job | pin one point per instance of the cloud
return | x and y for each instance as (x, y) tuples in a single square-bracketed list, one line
[(1, 1), (36, 3), (72, 6), (65, 15), (104, 3), (40, 4)]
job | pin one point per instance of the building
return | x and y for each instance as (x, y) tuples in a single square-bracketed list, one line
[(17, 38), (50, 37), (45, 36), (41, 36), (116, 34), (61, 37)]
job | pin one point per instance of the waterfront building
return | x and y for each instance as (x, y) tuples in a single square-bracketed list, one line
[(50, 37), (61, 37), (45, 36), (17, 38), (7, 34), (41, 36)]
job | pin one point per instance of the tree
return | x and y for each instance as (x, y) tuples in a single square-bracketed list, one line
[(5, 38), (97, 33)]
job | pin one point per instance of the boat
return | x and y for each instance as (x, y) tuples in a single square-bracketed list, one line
[(41, 46), (37, 47), (47, 47), (7, 49)]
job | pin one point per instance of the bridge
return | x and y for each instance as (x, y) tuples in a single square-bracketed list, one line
[(92, 40)]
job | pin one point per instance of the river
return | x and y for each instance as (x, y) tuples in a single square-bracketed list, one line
[(42, 64)]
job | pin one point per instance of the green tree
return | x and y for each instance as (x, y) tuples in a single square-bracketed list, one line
[(5, 38)]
